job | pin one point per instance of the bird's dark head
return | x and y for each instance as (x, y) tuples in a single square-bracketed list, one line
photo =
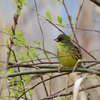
[(62, 39)]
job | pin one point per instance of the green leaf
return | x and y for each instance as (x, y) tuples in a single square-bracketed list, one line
[(70, 17), (48, 16), (46, 53), (37, 54), (16, 1), (27, 80), (59, 66), (11, 34), (22, 2), (9, 30), (18, 12), (67, 24), (12, 58), (28, 53), (72, 23), (30, 92), (37, 43), (73, 81), (12, 81), (64, 25), (49, 74), (33, 54), (59, 19), (33, 49), (70, 36), (60, 1), (62, 98), (11, 70), (7, 42)]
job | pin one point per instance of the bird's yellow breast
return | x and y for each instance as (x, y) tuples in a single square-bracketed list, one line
[(64, 57)]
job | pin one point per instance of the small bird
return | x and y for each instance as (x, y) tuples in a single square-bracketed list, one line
[(68, 53)]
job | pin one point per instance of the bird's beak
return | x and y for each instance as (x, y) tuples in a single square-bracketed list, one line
[(56, 40)]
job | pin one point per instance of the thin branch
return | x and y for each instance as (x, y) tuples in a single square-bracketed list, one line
[(78, 17), (13, 53), (41, 31), (81, 29), (47, 66), (43, 46), (16, 16), (46, 51), (71, 93), (62, 89), (70, 21), (44, 71)]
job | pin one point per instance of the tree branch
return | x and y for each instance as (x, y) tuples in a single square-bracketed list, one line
[(44, 71)]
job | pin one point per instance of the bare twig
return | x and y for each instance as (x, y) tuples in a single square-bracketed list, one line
[(78, 17), (71, 93), (43, 46), (70, 21), (41, 31)]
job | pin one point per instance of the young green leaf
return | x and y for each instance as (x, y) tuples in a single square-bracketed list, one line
[(70, 17), (67, 24), (37, 54), (69, 36), (73, 81), (11, 70), (59, 66), (9, 30), (27, 52), (64, 25), (62, 98), (49, 74), (48, 15), (30, 93), (7, 42), (37, 43), (59, 19), (60, 1), (33, 49), (27, 80), (16, 1), (44, 52), (11, 34)]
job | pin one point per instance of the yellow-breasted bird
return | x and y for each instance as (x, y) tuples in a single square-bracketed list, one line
[(68, 53)]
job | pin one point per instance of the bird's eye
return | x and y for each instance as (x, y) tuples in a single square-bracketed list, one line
[(60, 39)]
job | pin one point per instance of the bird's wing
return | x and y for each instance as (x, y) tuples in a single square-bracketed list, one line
[(75, 52)]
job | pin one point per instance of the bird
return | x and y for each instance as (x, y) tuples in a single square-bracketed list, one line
[(68, 54)]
